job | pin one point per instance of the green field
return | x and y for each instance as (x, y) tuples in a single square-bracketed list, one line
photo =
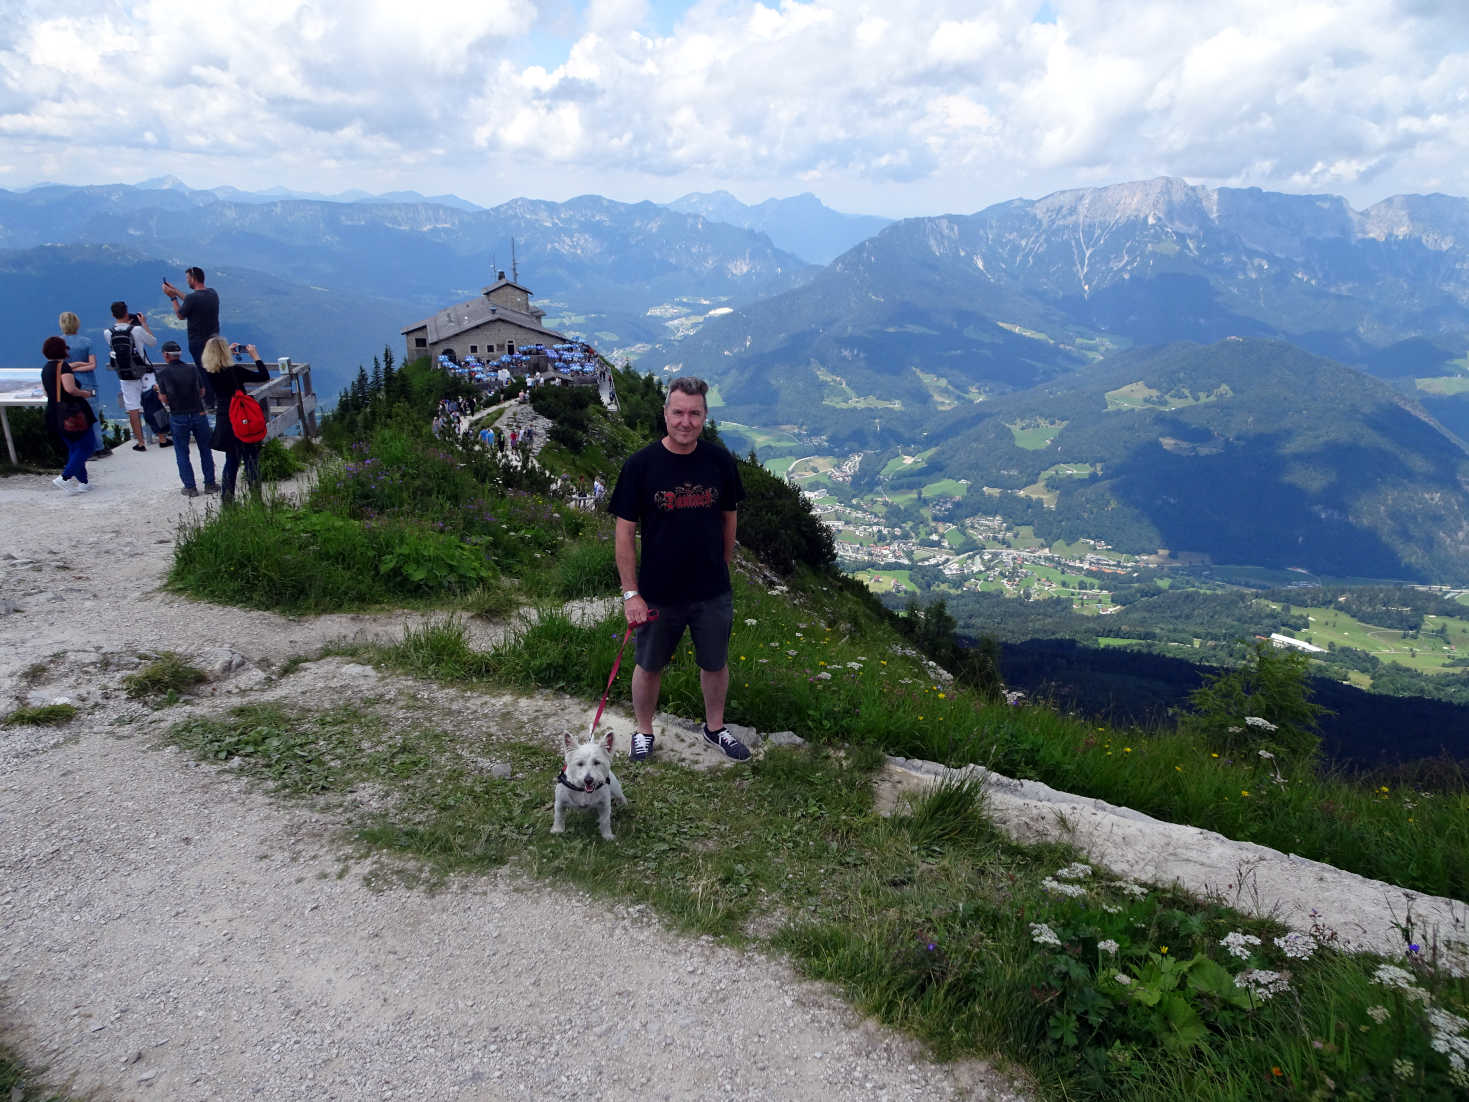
[(1444, 384), (1033, 435), (1139, 395), (900, 463), (1427, 653), (945, 487), (779, 467), (760, 438), (881, 581)]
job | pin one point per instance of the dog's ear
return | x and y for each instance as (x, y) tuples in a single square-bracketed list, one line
[(566, 740), (607, 742)]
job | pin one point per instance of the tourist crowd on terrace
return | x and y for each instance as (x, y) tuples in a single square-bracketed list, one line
[(572, 362)]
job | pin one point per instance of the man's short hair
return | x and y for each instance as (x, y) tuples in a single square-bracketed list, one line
[(196, 274), (688, 384), (119, 309)]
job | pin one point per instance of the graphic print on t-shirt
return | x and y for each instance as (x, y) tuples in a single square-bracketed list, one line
[(688, 496)]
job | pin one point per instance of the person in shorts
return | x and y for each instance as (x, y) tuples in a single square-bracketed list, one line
[(124, 320), (683, 493)]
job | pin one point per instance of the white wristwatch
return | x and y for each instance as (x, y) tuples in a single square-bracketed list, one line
[(629, 594)]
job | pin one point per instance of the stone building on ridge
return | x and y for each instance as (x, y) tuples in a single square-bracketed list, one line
[(500, 320)]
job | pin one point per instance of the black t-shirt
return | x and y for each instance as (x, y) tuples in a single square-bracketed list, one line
[(201, 310), (179, 382), (680, 502)]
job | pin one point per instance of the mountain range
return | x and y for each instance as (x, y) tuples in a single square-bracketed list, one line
[(939, 333)]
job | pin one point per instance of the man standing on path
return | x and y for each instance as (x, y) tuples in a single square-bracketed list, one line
[(128, 338), (178, 387), (683, 492), (200, 311)]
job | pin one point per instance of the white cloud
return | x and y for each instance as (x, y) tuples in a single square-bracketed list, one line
[(953, 105)]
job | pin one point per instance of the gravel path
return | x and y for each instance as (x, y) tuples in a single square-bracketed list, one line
[(171, 932)]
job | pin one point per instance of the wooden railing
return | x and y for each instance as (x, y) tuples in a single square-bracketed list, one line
[(288, 400)]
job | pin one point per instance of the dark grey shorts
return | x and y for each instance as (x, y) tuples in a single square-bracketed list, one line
[(709, 623)]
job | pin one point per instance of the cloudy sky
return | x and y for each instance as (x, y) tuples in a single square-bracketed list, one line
[(895, 109)]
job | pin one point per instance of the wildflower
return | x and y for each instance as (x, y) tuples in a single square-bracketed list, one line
[(1213, 755), (1403, 1069), (1390, 975), (1042, 934), (1238, 944), (1379, 1014), (822, 676), (1266, 754), (1123, 978), (1296, 945), (1163, 949), (942, 696), (1050, 885), (1127, 749), (1261, 722), (1075, 871), (1275, 1071), (1244, 791), (1262, 983), (1108, 946), (749, 623), (1178, 769), (1133, 888)]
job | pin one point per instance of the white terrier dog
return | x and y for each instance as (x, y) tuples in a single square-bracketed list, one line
[(587, 780)]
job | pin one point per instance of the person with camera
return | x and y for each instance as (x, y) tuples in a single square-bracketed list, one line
[(129, 337), (229, 377), (199, 309)]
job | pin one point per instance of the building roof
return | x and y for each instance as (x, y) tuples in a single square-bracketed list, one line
[(453, 320)]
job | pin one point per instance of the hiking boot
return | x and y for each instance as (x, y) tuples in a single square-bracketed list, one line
[(640, 747), (726, 744), (189, 491), (211, 487)]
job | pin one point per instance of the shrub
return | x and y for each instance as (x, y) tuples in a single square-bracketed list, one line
[(777, 524), (278, 461), (166, 676), (586, 569), (40, 715), (1263, 705)]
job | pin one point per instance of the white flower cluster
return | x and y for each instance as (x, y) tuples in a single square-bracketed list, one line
[(1261, 722), (1075, 871), (1379, 1014), (1042, 934), (1108, 946), (1262, 983), (823, 676), (1123, 978), (1404, 1069), (1296, 945), (854, 665), (1238, 944), (1447, 1036), (1132, 888), (1072, 890), (749, 623), (1390, 975)]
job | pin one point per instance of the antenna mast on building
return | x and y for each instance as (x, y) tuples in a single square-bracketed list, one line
[(514, 267)]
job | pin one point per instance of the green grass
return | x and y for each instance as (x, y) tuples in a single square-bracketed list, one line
[(1444, 385), (167, 677), (945, 487), (926, 919), (18, 1082), (1426, 652), (40, 715), (1033, 436)]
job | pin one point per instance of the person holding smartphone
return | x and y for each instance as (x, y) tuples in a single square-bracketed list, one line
[(200, 311), (229, 377)]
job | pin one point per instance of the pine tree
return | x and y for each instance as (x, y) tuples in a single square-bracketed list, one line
[(375, 387)]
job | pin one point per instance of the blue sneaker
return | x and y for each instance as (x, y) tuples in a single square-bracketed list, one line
[(641, 747), (726, 744)]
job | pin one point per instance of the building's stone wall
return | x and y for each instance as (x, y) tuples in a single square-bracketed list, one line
[(510, 297), (488, 341)]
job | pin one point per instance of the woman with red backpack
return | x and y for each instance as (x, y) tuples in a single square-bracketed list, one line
[(239, 425)]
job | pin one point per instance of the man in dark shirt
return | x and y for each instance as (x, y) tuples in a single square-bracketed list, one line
[(200, 310), (683, 492), (183, 397)]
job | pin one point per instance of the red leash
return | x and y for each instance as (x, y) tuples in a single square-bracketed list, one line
[(617, 665)]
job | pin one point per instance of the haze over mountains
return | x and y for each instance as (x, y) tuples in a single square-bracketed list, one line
[(930, 333)]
